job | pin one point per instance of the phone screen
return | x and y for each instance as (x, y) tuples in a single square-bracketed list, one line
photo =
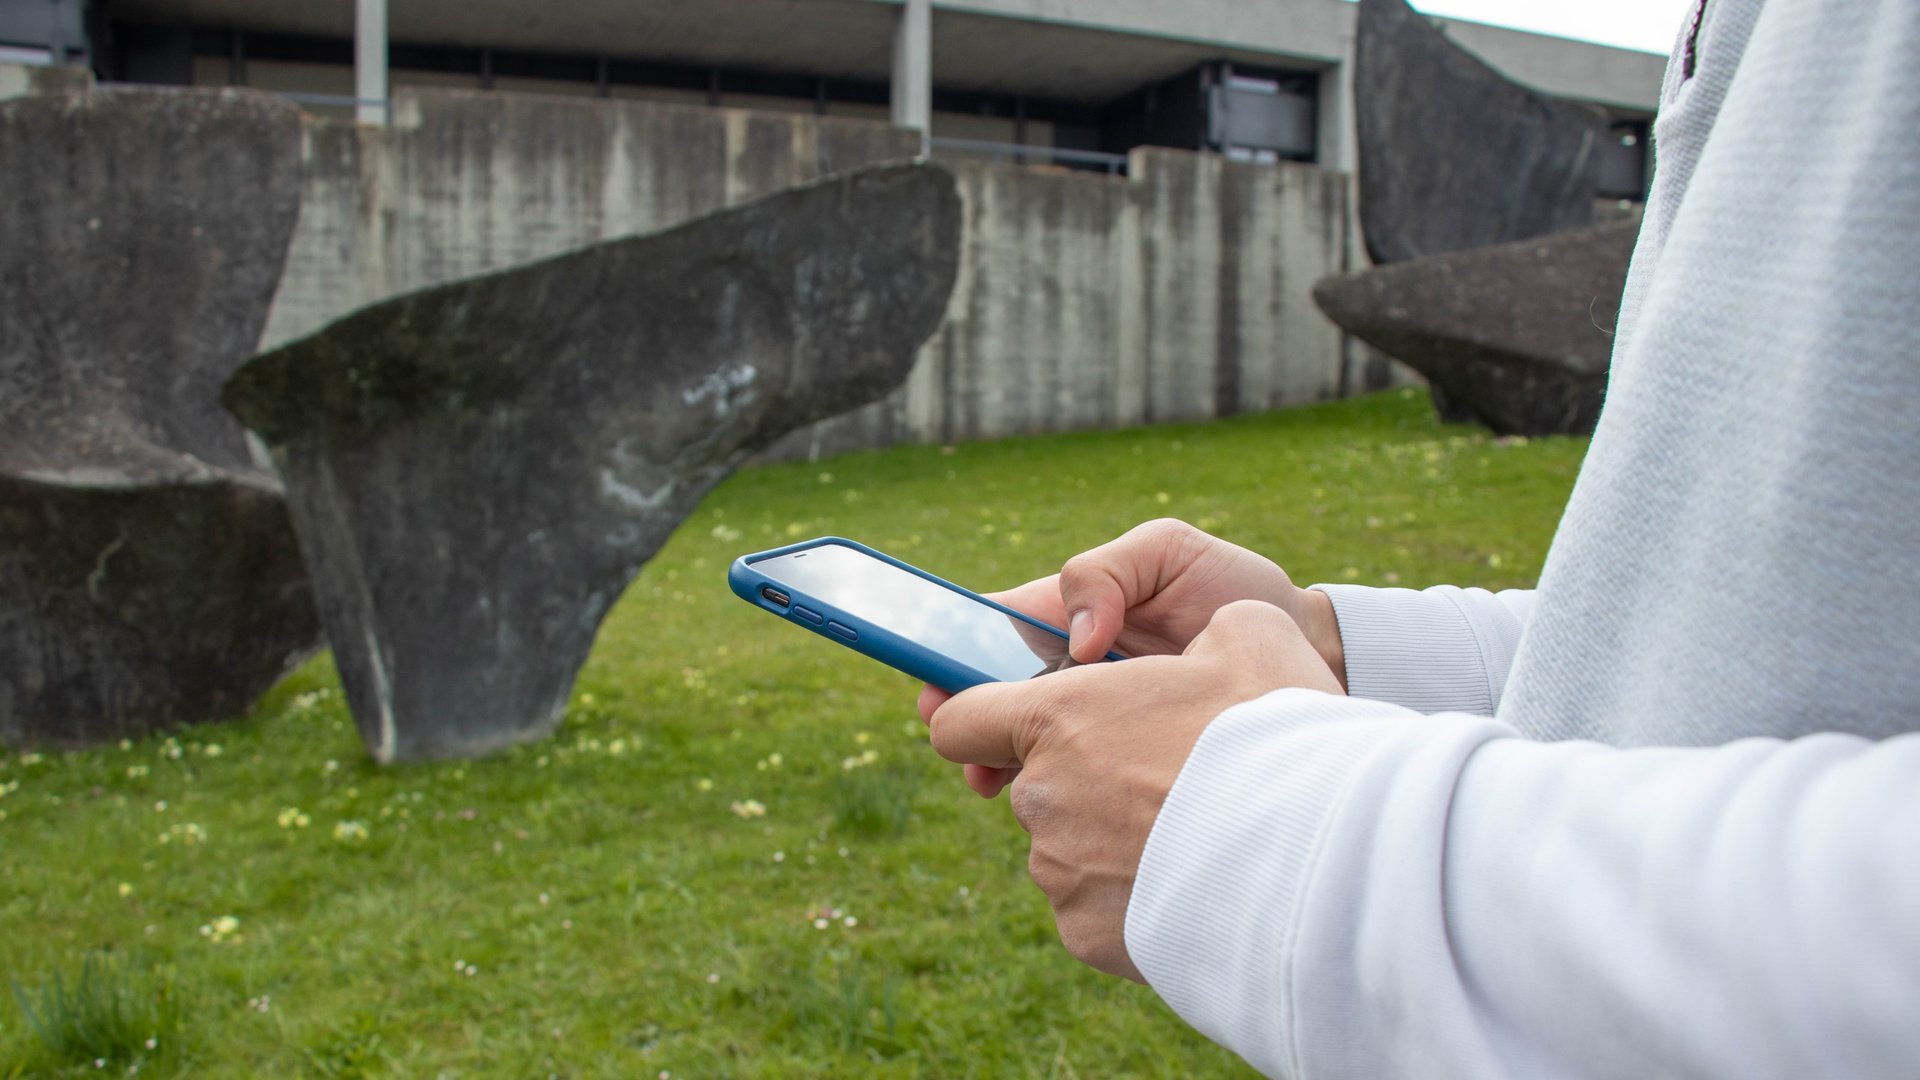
[(889, 598)]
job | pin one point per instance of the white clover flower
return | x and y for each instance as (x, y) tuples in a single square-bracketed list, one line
[(750, 808), (292, 818), (125, 889), (850, 921), (350, 832), (224, 928), (213, 750), (704, 784), (186, 835)]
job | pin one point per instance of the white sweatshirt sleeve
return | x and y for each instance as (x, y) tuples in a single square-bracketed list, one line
[(1443, 649), (1341, 888)]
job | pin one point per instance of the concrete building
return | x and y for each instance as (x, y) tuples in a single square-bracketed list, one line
[(1150, 190), (1078, 82)]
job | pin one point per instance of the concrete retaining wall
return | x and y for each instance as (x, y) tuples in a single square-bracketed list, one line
[(1084, 301)]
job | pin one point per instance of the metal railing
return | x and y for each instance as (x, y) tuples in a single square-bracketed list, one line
[(1027, 154), (341, 101)]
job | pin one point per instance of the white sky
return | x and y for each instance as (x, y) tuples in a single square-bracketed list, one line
[(1647, 25)]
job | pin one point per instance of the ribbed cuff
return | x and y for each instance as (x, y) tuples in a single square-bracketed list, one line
[(1217, 896), (1412, 648)]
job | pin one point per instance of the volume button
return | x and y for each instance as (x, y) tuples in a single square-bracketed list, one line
[(847, 632)]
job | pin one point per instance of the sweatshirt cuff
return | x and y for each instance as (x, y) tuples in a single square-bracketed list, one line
[(1217, 896), (1434, 650)]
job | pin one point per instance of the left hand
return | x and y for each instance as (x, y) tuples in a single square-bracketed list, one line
[(1091, 753)]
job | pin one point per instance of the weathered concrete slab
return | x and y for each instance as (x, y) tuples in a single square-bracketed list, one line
[(1454, 155), (1518, 334), (148, 572), (478, 470)]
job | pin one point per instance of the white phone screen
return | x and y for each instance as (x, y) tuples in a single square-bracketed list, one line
[(882, 595)]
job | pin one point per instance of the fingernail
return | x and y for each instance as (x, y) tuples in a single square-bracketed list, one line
[(1079, 625)]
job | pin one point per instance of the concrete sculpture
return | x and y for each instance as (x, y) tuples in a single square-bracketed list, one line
[(1455, 157), (148, 571), (1520, 333), (1453, 154), (477, 470)]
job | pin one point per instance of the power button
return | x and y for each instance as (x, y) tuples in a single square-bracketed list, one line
[(847, 632)]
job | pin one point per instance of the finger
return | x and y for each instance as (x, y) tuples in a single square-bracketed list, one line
[(931, 698), (988, 782), (1098, 586), (993, 724)]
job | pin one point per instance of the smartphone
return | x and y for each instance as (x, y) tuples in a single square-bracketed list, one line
[(898, 614)]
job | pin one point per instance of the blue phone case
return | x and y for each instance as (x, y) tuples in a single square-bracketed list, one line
[(889, 648)]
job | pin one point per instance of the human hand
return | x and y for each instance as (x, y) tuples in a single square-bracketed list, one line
[(1091, 753), (1150, 592), (1153, 589)]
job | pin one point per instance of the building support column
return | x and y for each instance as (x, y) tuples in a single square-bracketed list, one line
[(913, 68), (370, 61), (1338, 138)]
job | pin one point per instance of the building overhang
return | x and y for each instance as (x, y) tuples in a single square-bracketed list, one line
[(1082, 52)]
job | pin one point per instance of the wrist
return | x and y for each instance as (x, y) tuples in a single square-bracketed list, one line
[(1315, 615)]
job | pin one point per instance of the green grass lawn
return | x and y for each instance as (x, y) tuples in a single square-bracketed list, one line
[(738, 857)]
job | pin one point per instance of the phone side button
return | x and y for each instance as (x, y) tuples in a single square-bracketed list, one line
[(847, 632), (809, 614)]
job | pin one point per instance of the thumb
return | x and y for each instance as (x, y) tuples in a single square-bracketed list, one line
[(1257, 641), (1247, 631), (1097, 587), (1096, 607)]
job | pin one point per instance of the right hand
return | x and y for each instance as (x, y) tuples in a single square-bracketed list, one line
[(1154, 589)]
